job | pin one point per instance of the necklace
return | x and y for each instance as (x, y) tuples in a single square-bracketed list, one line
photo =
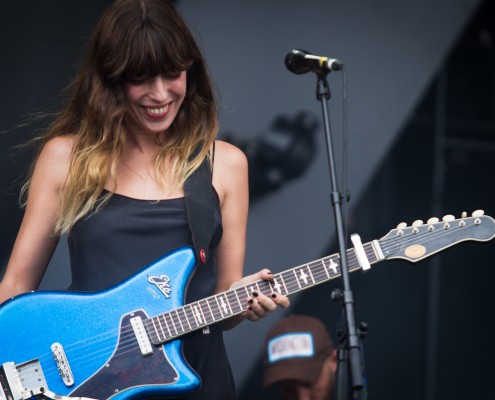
[(143, 177)]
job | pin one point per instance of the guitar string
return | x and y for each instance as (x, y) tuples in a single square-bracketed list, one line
[(173, 320), (288, 282), (214, 310), (397, 241), (317, 279), (123, 343), (132, 340), (387, 243)]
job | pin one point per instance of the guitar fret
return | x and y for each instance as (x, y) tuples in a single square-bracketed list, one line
[(207, 311), (160, 330), (334, 265), (193, 320), (293, 283), (297, 280), (174, 323), (283, 283), (216, 308), (325, 268), (275, 286), (197, 314), (168, 323), (322, 272), (233, 304), (304, 277), (377, 250), (218, 305), (315, 273), (180, 321), (324, 275), (353, 263), (310, 273), (237, 297), (213, 303), (161, 323), (156, 330), (200, 312), (213, 318), (225, 305), (228, 303), (183, 309), (163, 316), (151, 332)]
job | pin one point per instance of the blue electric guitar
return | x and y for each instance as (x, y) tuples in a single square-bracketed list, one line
[(123, 343)]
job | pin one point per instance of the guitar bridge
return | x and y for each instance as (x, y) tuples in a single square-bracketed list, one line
[(21, 382), (26, 381)]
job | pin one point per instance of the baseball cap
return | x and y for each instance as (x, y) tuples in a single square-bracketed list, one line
[(296, 347)]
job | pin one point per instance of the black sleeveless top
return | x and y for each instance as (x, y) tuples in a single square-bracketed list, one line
[(128, 234)]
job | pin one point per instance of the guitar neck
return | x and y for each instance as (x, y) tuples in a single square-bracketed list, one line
[(222, 306)]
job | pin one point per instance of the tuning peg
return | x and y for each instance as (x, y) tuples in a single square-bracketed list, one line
[(402, 225), (464, 214), (433, 220), (478, 213), (418, 222), (448, 218)]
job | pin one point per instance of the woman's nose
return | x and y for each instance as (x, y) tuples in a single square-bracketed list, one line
[(158, 88)]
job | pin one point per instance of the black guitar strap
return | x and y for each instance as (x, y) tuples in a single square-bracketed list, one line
[(198, 193)]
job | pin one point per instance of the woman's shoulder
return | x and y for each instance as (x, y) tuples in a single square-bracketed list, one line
[(229, 156), (230, 171), (54, 159), (59, 146)]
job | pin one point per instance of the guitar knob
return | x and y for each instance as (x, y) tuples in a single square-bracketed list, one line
[(448, 218), (478, 213), (433, 220), (418, 222), (402, 225)]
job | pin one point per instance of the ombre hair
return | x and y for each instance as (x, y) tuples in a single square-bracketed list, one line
[(133, 40)]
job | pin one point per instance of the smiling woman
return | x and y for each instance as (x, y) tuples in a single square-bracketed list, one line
[(138, 128), (154, 103)]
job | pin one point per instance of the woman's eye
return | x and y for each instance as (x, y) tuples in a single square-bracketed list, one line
[(136, 81), (172, 75)]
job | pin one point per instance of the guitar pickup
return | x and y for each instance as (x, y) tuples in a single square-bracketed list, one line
[(62, 364), (141, 336)]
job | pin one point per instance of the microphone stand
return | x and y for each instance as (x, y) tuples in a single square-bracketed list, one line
[(349, 351)]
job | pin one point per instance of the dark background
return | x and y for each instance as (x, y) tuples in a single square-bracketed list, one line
[(430, 324)]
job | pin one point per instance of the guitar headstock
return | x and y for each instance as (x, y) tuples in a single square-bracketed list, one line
[(421, 240)]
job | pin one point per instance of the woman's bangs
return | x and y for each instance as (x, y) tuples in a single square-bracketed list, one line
[(153, 54)]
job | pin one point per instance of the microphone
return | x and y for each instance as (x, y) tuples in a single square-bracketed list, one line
[(300, 61)]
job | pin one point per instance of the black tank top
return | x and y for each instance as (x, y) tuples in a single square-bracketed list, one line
[(128, 234)]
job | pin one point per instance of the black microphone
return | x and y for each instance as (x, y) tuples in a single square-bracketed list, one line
[(300, 61)]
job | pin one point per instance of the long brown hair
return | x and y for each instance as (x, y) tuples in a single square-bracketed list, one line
[(133, 39)]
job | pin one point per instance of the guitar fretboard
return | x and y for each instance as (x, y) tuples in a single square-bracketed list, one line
[(219, 307)]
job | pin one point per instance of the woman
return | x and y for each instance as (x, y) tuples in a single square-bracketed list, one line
[(139, 121)]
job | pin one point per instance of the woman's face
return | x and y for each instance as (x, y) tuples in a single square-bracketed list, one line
[(153, 103)]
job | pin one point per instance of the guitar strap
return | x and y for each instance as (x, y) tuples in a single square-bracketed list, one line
[(198, 194)]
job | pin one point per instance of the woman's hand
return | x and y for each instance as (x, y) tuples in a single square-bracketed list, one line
[(258, 304)]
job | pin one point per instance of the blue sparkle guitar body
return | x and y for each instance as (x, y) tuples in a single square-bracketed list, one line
[(94, 331)]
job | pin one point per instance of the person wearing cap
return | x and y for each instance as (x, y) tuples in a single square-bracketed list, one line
[(300, 359)]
